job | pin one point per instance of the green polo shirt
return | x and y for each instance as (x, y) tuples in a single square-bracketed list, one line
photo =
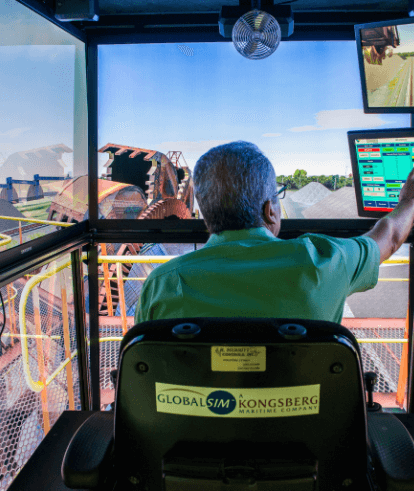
[(251, 273)]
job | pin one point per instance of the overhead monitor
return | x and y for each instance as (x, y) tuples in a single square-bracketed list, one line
[(386, 63), (381, 161)]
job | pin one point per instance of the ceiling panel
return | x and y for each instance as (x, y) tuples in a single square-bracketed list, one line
[(188, 6)]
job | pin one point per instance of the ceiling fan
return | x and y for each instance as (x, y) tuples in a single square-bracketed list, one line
[(257, 33)]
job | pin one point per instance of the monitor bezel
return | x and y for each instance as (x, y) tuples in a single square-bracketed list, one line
[(369, 109), (370, 134)]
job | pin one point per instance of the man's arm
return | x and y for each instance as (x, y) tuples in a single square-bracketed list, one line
[(392, 230)]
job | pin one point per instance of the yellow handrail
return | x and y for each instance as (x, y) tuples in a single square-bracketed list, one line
[(392, 279), (401, 260), (30, 336), (35, 386), (6, 239), (33, 220), (38, 386), (13, 297), (382, 340), (135, 259)]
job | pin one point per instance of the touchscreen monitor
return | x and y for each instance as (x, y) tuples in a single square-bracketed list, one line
[(381, 161)]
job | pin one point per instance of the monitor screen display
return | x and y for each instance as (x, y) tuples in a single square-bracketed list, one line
[(386, 61), (381, 162)]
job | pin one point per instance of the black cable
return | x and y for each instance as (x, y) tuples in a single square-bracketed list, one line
[(4, 322)]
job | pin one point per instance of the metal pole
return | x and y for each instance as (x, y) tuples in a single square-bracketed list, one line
[(410, 394), (403, 375), (107, 282), (81, 333), (9, 295), (94, 326), (40, 360), (92, 96), (121, 294), (66, 339)]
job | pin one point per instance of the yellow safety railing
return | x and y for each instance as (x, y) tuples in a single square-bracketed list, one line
[(33, 220), (40, 385), (5, 239), (12, 297), (36, 386)]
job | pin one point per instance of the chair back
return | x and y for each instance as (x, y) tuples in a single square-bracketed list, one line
[(208, 402)]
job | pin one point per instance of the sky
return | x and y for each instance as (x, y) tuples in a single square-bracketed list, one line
[(406, 34), (36, 98), (296, 105), (36, 82)]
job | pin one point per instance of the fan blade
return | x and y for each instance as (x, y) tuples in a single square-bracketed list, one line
[(264, 21), (268, 43), (251, 47), (247, 26)]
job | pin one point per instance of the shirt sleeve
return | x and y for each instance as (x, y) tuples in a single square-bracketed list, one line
[(358, 258), (362, 258)]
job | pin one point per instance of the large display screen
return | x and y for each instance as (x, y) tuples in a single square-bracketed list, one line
[(386, 61), (152, 129), (43, 129), (381, 162)]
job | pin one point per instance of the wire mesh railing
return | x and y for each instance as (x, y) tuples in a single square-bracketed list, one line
[(36, 382)]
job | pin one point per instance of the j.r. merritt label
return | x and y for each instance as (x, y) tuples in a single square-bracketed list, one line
[(238, 358)]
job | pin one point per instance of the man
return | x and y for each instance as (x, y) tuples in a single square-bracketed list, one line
[(244, 270)]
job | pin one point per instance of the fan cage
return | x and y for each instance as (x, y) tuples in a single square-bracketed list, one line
[(256, 35)]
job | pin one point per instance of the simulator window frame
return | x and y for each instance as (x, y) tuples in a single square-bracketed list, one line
[(118, 30), (376, 58)]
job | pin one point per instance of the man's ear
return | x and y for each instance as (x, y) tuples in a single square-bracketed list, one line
[(272, 217), (270, 213)]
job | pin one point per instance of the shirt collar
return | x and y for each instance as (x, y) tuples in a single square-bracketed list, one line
[(261, 233)]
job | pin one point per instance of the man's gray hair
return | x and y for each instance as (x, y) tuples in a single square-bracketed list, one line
[(231, 183)]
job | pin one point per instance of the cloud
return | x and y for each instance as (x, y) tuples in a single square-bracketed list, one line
[(15, 132), (314, 163), (271, 135), (342, 119), (198, 147)]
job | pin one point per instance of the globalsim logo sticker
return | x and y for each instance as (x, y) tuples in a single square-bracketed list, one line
[(237, 403)]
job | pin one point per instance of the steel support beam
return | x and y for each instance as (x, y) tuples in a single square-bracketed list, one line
[(81, 332)]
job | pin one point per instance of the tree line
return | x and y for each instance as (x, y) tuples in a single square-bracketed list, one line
[(300, 178), (404, 56)]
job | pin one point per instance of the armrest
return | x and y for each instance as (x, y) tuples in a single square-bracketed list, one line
[(392, 449), (86, 463)]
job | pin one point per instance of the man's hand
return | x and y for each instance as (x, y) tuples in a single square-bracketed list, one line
[(392, 230), (407, 191)]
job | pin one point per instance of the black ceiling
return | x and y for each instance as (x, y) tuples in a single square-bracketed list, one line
[(110, 7), (147, 21)]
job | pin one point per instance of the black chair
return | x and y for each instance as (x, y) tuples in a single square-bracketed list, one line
[(239, 404)]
